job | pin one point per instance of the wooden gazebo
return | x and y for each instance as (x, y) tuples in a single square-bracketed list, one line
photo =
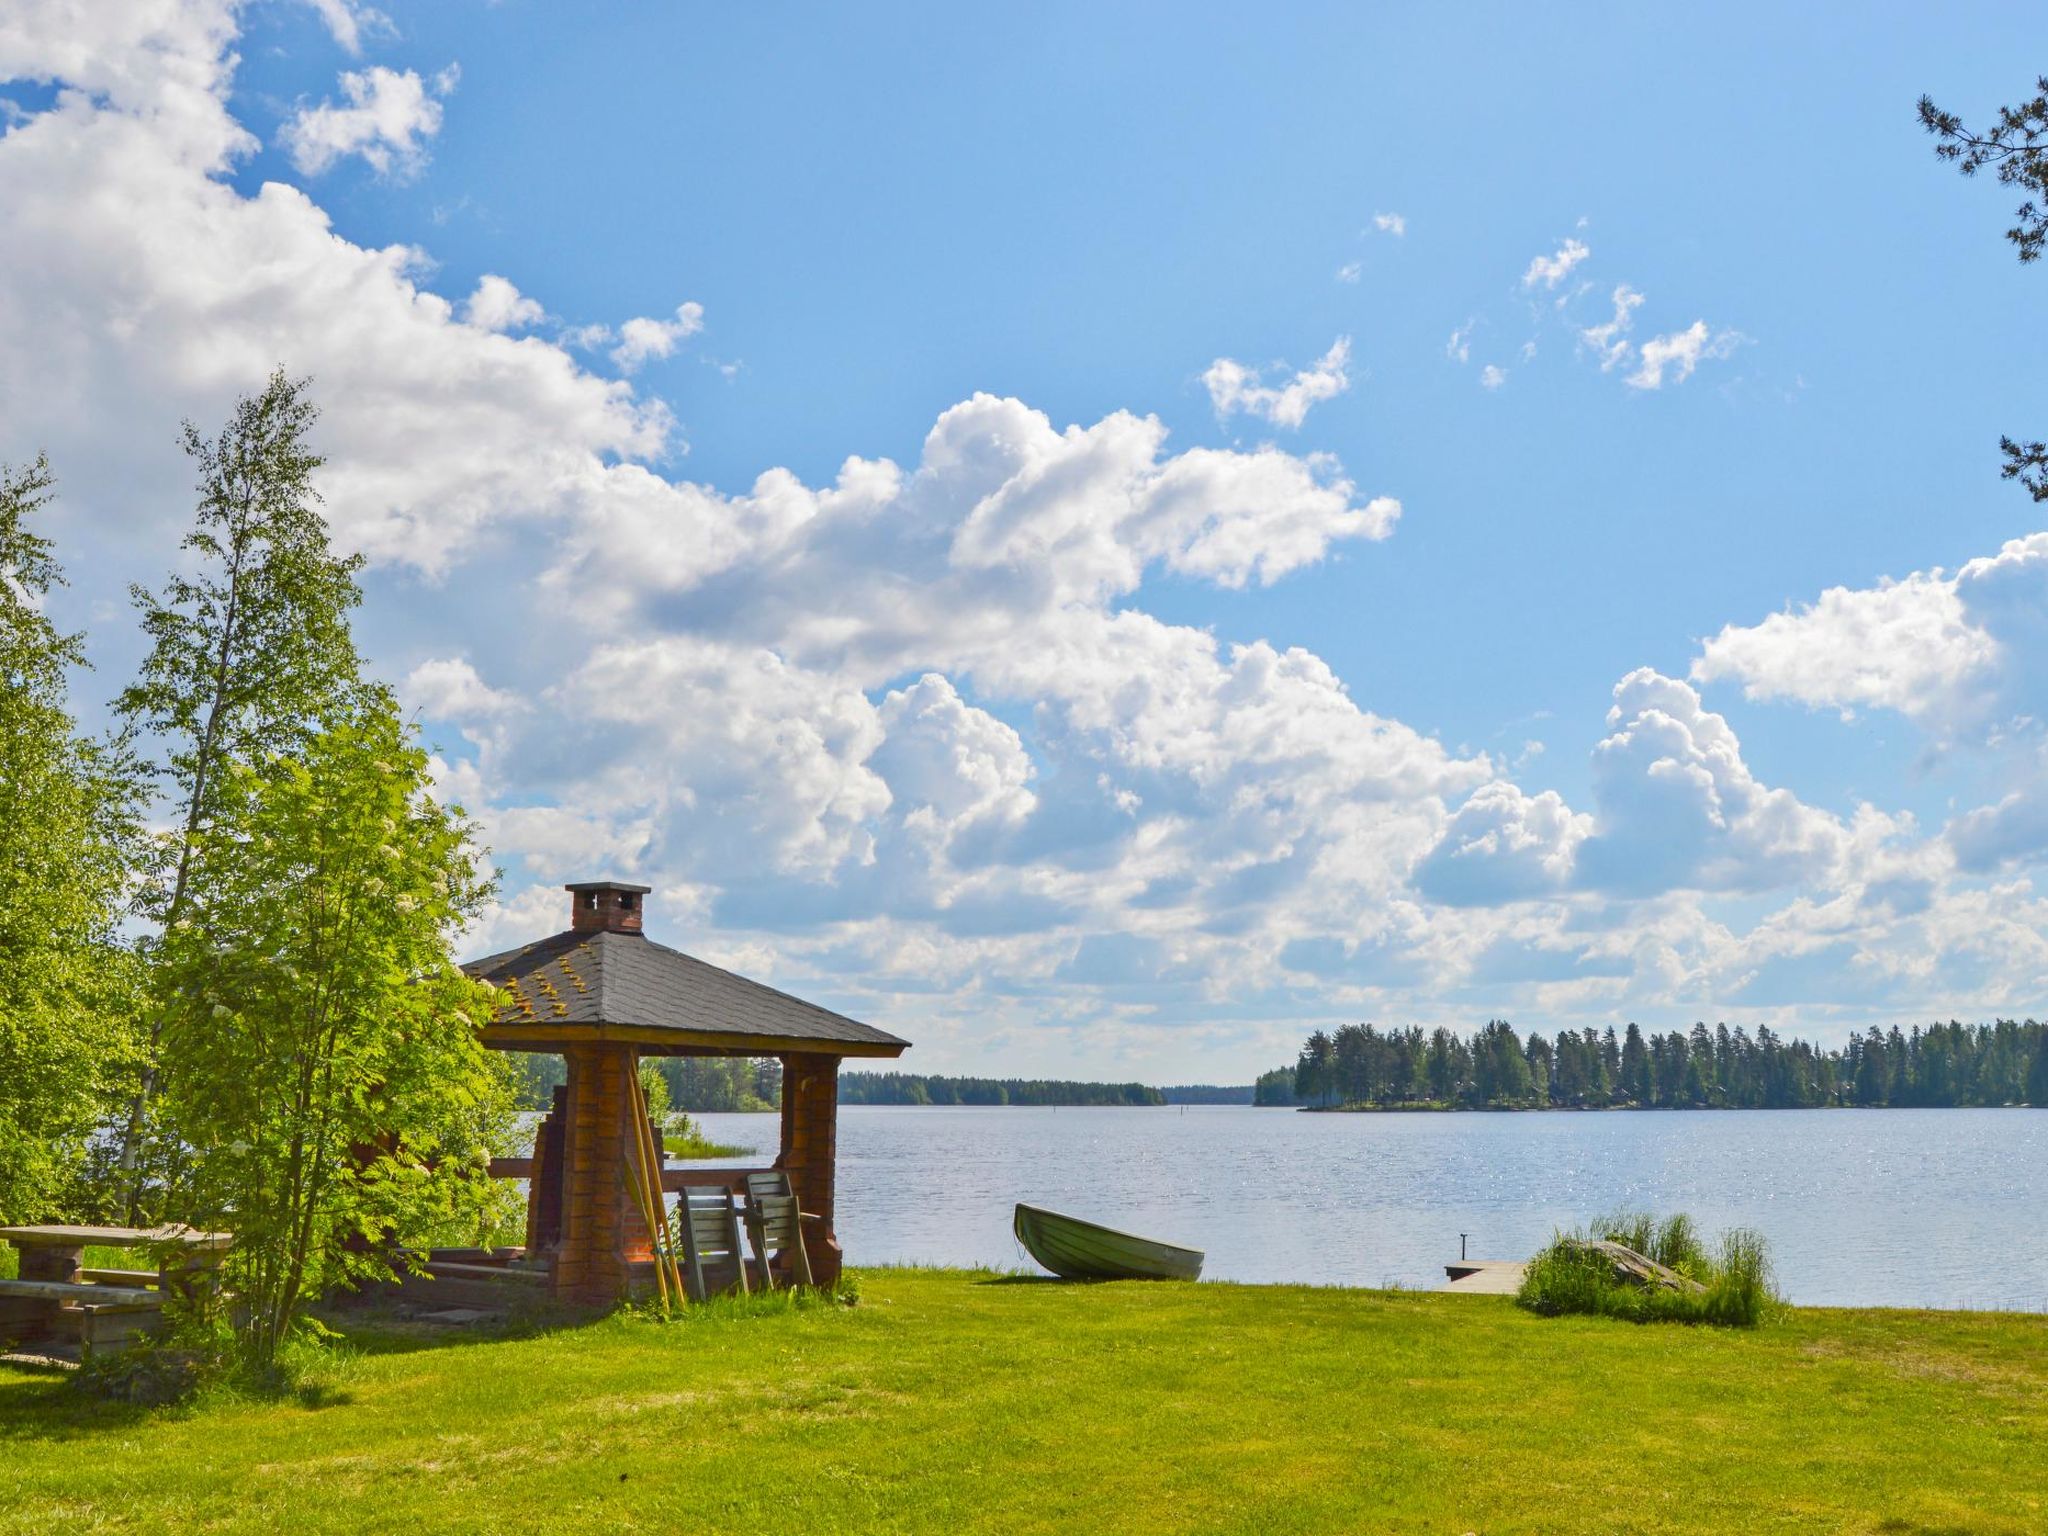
[(603, 995)]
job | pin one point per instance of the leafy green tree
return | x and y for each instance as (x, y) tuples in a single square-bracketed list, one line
[(321, 1048), (246, 653), (67, 830), (2016, 147), (654, 1088)]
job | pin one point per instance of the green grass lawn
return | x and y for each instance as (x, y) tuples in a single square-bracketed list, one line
[(950, 1401)]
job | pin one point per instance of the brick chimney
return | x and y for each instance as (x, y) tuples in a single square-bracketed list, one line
[(605, 906)]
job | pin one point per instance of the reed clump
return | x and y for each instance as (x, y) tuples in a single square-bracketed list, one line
[(1727, 1285)]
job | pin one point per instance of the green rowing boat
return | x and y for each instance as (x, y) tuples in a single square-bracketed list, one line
[(1081, 1250)]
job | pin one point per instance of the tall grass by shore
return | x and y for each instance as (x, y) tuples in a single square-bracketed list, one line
[(1733, 1285)]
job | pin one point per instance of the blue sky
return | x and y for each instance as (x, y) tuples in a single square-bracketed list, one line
[(880, 213)]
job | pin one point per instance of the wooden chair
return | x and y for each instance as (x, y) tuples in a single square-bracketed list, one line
[(775, 1227), (708, 1221)]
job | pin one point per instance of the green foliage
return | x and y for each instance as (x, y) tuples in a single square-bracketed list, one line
[(151, 1373), (686, 1139), (192, 1354), (654, 1087), (537, 1075), (320, 1046), (694, 1084), (1275, 1089), (2017, 148), (68, 831), (722, 1084), (247, 655), (1567, 1278), (1673, 1242), (1209, 1093), (1741, 1292), (679, 1133)]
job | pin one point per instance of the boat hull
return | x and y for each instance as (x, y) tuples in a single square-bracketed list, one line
[(1081, 1250)]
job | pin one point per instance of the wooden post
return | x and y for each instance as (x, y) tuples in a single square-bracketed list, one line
[(63, 1263), (810, 1134), (603, 1234), (544, 1181)]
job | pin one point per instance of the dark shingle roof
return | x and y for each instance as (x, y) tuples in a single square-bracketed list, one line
[(625, 980)]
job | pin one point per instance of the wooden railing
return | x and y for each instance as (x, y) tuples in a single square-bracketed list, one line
[(672, 1179)]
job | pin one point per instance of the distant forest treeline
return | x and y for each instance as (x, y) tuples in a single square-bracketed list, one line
[(708, 1083), (909, 1088), (695, 1083), (1943, 1065), (1210, 1093)]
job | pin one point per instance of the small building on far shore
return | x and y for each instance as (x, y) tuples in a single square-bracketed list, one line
[(604, 995)]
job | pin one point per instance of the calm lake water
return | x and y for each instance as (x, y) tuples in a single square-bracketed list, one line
[(1867, 1207)]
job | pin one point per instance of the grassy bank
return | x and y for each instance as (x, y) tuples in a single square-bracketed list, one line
[(950, 1402), (693, 1144)]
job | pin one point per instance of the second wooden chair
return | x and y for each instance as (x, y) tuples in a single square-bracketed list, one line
[(708, 1221), (775, 1227)]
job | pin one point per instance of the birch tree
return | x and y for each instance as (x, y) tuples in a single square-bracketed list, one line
[(249, 645)]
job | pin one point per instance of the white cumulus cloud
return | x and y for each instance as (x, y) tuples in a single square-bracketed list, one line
[(643, 339), (498, 306), (386, 116), (348, 21), (1503, 845), (1609, 339), (1680, 352), (1675, 808), (1965, 654), (1549, 271), (1390, 223), (1233, 387)]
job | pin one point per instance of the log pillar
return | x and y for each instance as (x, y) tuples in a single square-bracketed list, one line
[(544, 1182), (55, 1262), (604, 1246), (810, 1134)]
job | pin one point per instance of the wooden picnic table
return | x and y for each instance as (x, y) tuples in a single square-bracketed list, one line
[(57, 1253), (55, 1289)]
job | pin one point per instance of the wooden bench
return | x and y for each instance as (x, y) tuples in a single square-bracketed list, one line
[(57, 1294), (92, 1314)]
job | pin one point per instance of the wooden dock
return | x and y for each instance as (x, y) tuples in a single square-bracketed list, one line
[(1485, 1277)]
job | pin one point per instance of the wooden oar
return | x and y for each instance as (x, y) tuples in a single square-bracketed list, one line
[(667, 1275), (666, 1251), (636, 1174)]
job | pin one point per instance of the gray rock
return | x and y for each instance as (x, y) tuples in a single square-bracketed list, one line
[(1632, 1268)]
